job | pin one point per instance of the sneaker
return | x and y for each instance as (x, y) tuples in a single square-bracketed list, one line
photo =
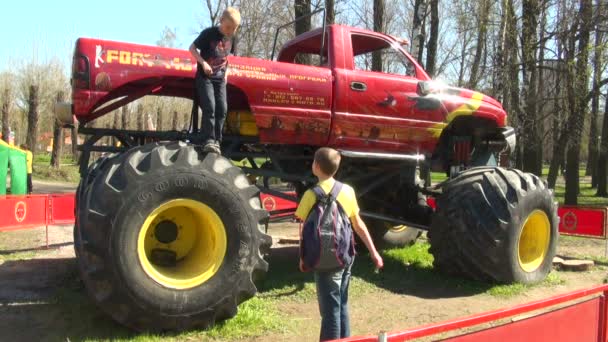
[(210, 148)]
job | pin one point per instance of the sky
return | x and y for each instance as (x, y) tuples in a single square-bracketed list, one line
[(41, 30)]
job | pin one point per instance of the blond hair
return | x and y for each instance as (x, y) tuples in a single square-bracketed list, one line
[(232, 14)]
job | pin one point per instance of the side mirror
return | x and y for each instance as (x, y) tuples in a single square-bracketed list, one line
[(423, 88), (428, 87)]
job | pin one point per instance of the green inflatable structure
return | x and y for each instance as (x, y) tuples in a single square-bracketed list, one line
[(14, 159)]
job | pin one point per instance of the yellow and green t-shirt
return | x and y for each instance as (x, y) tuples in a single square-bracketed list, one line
[(346, 198)]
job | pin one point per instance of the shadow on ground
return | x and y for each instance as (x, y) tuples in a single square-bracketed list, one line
[(397, 277), (35, 249), (44, 300)]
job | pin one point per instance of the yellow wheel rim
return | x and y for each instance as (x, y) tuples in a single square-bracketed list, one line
[(187, 233), (395, 229), (534, 241)]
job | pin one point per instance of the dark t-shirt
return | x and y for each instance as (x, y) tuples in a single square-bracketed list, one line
[(214, 47)]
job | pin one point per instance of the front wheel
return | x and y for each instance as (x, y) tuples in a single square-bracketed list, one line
[(388, 235), (170, 238), (495, 224)]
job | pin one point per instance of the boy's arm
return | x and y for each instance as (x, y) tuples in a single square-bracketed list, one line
[(194, 52), (361, 230)]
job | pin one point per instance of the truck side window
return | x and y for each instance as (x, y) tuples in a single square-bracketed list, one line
[(312, 59), (393, 60)]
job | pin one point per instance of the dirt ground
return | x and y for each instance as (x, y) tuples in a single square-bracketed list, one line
[(30, 278)]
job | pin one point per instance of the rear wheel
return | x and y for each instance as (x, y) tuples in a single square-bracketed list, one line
[(495, 224), (170, 238)]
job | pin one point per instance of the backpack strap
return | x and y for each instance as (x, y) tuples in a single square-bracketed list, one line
[(319, 193), (335, 191)]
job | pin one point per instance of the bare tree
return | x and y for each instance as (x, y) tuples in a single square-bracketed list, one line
[(480, 49), (529, 124), (302, 8), (6, 103), (124, 118), (602, 164), (168, 38), (378, 27), (159, 118), (512, 70), (431, 53), (595, 108), (330, 14), (140, 117), (577, 92), (115, 125), (32, 119), (418, 29), (175, 122), (57, 138)]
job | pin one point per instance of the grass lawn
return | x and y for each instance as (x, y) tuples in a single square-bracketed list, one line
[(67, 171)]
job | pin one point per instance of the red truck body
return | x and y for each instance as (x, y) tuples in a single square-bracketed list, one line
[(337, 104)]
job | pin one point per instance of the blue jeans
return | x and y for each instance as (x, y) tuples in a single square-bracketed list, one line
[(332, 294), (212, 100)]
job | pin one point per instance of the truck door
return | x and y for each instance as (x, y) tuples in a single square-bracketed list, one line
[(383, 113)]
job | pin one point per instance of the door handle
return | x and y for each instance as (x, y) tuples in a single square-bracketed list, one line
[(358, 86)]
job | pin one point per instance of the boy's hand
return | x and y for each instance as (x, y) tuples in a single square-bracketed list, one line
[(377, 259), (207, 69)]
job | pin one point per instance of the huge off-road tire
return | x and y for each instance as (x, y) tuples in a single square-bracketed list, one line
[(169, 238), (494, 224), (387, 235)]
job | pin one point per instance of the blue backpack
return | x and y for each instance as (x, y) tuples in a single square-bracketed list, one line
[(327, 242)]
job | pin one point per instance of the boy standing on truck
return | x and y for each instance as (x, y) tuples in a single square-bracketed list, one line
[(211, 49), (332, 286)]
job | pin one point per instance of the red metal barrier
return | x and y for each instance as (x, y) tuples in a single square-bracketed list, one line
[(23, 212), (583, 221), (278, 207), (33, 211), (61, 208), (582, 321)]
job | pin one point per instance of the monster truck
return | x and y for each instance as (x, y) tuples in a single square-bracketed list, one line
[(169, 237)]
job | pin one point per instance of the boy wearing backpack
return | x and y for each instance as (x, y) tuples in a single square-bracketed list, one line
[(330, 213)]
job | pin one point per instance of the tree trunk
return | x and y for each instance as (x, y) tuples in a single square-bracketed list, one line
[(57, 138), (602, 164), (595, 108), (124, 118), (140, 117), (378, 27), (115, 125), (417, 35), (330, 14), (302, 8), (578, 106), (159, 119), (512, 70), (74, 138), (500, 88), (431, 53), (559, 138), (175, 121), (480, 49), (6, 103), (32, 119), (531, 132)]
